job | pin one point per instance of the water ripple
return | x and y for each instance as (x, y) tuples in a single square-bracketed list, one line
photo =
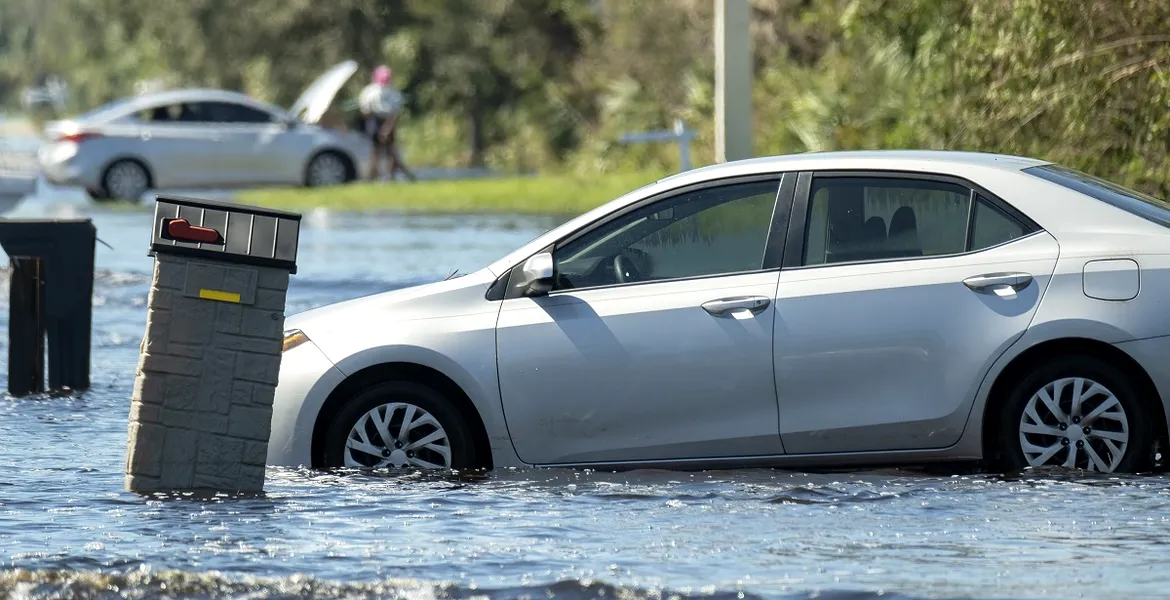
[(144, 584)]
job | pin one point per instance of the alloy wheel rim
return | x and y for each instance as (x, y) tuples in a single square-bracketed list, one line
[(326, 170), (397, 435), (1074, 422), (127, 180)]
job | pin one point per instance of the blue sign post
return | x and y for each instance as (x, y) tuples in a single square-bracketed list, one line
[(679, 134)]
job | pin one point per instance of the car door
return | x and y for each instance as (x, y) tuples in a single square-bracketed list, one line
[(180, 149), (255, 145), (898, 292), (656, 340)]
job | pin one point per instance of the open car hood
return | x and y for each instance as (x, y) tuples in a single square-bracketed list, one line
[(315, 100)]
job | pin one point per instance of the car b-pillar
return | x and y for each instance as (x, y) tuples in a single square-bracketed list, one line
[(201, 410)]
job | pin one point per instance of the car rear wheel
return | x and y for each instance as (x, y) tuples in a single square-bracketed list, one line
[(125, 180), (326, 169), (399, 425), (1078, 412)]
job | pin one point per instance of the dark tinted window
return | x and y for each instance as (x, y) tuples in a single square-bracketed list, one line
[(991, 226), (227, 112), (164, 113), (204, 112), (852, 219), (861, 218), (1132, 201), (705, 232)]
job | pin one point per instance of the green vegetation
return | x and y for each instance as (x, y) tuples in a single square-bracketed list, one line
[(549, 85), (564, 194)]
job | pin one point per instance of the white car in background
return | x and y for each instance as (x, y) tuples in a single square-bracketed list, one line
[(204, 138)]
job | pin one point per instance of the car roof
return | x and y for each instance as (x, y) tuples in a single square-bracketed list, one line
[(910, 160), (136, 103), (192, 94)]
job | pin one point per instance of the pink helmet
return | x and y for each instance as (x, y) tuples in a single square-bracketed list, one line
[(382, 75)]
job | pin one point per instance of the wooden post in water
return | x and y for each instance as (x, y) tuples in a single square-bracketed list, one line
[(26, 327), (52, 293)]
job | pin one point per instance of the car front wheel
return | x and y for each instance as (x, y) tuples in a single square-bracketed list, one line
[(1078, 412), (399, 425)]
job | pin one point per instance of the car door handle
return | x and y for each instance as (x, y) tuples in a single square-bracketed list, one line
[(1003, 284), (726, 306)]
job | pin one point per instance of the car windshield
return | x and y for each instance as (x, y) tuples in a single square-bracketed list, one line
[(1132, 201)]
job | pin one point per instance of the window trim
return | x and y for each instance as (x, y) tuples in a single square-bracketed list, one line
[(794, 258), (774, 245), (976, 195)]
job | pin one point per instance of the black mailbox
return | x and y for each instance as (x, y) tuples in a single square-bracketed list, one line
[(226, 231), (51, 295)]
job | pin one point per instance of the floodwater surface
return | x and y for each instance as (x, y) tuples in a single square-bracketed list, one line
[(67, 530)]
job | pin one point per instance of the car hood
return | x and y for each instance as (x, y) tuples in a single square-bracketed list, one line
[(315, 100), (452, 297)]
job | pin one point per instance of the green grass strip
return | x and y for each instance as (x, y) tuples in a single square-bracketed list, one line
[(544, 194)]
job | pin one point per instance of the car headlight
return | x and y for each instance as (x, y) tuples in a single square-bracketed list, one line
[(293, 338)]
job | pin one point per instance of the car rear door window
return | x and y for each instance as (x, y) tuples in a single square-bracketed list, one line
[(861, 218), (164, 113), (857, 219), (712, 231)]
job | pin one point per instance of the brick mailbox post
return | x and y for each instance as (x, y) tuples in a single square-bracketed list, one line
[(201, 410)]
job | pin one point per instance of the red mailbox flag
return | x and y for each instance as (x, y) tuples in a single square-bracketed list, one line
[(182, 231)]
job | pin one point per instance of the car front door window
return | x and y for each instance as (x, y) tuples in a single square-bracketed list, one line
[(227, 112), (705, 232)]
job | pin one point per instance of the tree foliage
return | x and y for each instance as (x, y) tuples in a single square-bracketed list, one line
[(552, 84)]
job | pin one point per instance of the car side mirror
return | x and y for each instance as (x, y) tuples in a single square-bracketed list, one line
[(536, 276)]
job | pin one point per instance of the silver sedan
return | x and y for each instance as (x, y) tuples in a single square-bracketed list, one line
[(823, 309), (197, 138)]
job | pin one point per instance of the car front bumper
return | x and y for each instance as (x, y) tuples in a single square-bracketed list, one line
[(307, 378)]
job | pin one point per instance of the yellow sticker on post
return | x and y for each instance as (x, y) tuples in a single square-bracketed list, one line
[(207, 294)]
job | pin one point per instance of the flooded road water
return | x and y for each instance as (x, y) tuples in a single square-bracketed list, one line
[(67, 530)]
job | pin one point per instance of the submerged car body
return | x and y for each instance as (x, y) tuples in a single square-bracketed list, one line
[(823, 309), (201, 138)]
